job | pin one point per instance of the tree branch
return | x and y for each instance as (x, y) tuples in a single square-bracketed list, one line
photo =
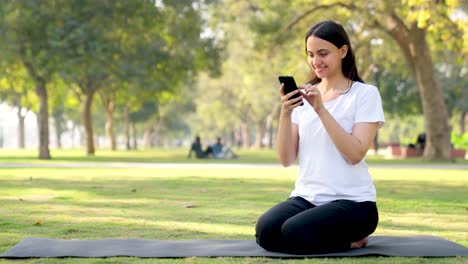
[(399, 32), (317, 8), (252, 7), (76, 92), (29, 66)]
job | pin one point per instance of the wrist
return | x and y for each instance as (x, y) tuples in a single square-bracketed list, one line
[(320, 110), (285, 113)]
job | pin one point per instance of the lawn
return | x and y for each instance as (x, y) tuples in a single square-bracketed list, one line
[(176, 155), (207, 203)]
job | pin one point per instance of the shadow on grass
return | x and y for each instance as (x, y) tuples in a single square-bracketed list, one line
[(216, 189), (213, 200)]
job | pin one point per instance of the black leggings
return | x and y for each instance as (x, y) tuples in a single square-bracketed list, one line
[(297, 226)]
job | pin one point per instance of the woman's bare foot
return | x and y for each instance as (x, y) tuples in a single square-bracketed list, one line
[(361, 243)]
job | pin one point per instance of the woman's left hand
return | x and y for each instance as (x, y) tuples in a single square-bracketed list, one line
[(312, 94)]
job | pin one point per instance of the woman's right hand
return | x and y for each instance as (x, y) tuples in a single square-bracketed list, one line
[(288, 104)]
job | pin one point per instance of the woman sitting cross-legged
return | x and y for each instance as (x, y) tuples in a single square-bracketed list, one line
[(329, 127)]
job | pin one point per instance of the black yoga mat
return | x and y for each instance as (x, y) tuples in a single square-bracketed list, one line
[(406, 246)]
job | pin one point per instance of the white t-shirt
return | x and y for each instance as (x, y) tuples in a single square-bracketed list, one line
[(324, 175)]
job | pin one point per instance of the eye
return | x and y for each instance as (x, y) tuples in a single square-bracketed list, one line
[(323, 54)]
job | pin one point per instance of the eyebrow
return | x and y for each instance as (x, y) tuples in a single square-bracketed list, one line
[(320, 50)]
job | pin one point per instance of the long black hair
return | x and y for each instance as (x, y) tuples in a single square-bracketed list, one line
[(334, 33)]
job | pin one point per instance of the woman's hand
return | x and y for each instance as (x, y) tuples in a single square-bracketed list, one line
[(312, 94), (288, 104), (287, 138)]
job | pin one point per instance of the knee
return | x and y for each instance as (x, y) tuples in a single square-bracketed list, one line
[(291, 231), (262, 228), (266, 233), (295, 233)]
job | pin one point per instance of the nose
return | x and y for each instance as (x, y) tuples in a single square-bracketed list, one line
[(316, 61)]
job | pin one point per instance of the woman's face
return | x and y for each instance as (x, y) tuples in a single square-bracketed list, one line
[(324, 57)]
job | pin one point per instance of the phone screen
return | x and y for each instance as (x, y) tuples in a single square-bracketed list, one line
[(289, 85)]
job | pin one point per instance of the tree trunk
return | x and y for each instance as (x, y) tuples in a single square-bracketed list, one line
[(58, 132), (434, 108), (147, 142), (110, 125), (134, 136), (43, 114), (73, 135), (20, 128), (414, 46), (43, 119), (269, 129), (88, 123), (156, 138), (245, 135), (269, 126), (462, 122), (233, 138), (127, 127), (259, 135)]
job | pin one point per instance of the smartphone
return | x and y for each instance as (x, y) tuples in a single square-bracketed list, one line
[(289, 86)]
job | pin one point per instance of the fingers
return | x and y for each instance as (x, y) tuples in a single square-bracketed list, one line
[(311, 93), (290, 94), (310, 90), (297, 103), (313, 96), (288, 102), (288, 97)]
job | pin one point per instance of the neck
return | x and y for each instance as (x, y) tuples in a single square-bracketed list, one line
[(338, 83)]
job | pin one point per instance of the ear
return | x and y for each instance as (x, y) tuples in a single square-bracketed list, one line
[(344, 51)]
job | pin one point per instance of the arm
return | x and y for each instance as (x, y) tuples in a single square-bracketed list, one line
[(352, 146), (287, 140)]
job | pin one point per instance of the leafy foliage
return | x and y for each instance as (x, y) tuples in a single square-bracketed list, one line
[(138, 51)]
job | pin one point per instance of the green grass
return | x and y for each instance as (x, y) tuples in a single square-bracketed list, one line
[(177, 155), (162, 155), (203, 203)]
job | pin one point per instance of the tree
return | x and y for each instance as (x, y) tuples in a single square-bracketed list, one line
[(85, 44), (27, 28), (143, 48)]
